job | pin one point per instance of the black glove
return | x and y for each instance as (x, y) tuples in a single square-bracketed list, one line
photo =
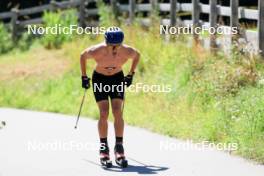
[(128, 80), (85, 82)]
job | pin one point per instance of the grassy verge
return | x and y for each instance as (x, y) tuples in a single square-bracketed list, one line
[(212, 98)]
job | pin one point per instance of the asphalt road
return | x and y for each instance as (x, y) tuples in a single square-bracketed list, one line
[(46, 144)]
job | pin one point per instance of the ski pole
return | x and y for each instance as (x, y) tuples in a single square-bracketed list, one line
[(80, 109)]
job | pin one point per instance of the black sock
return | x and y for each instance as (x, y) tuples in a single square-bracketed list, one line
[(103, 145), (104, 141), (119, 140)]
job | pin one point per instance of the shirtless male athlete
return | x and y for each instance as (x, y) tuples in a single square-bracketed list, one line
[(110, 56)]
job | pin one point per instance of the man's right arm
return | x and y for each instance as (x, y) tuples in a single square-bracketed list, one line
[(88, 53)]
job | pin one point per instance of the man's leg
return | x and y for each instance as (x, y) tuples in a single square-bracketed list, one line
[(102, 123), (118, 118), (119, 130), (103, 127)]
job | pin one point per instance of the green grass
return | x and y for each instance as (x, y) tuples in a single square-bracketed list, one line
[(213, 97)]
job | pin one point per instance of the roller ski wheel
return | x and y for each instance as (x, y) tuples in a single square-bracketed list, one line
[(122, 162), (105, 160), (120, 158)]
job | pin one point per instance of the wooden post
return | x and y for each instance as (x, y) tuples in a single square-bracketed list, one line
[(234, 13), (213, 23), (234, 17), (132, 6), (114, 8), (173, 11), (261, 27), (82, 13), (154, 6), (196, 12), (14, 24), (195, 18), (53, 5), (154, 12)]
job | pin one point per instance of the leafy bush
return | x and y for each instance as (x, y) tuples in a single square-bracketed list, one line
[(61, 20), (5, 39), (25, 41)]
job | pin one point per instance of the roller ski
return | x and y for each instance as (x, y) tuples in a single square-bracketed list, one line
[(105, 158), (120, 158)]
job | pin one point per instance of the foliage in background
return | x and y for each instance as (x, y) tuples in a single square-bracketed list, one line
[(25, 41), (62, 19), (7, 45), (106, 17), (5, 39)]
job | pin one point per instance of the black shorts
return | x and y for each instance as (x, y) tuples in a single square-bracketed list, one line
[(108, 86)]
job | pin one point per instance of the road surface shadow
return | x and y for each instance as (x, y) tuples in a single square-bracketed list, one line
[(140, 169)]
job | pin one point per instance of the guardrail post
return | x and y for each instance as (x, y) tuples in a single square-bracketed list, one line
[(261, 27), (82, 13), (132, 6), (234, 23), (173, 11), (14, 24), (195, 18), (213, 23)]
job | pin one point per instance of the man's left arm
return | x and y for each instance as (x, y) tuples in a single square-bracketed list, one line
[(134, 55)]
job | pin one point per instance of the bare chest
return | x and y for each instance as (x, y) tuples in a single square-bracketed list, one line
[(110, 60)]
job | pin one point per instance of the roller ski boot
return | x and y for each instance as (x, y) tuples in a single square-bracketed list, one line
[(120, 158), (105, 158)]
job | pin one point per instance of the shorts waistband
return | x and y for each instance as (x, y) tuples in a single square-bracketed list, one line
[(95, 73)]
